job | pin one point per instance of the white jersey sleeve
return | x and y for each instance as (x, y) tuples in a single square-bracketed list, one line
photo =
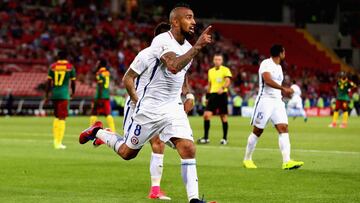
[(277, 76), (297, 90), (140, 63), (162, 44)]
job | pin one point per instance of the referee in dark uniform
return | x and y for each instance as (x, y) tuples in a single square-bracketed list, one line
[(219, 79)]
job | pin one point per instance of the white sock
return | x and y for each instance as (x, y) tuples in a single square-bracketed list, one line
[(284, 145), (156, 168), (250, 147), (190, 179), (110, 138)]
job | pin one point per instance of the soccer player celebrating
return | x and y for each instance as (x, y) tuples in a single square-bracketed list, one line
[(269, 106), (343, 87), (101, 105), (59, 76), (159, 110)]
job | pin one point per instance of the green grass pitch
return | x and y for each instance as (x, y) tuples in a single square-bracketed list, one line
[(32, 171)]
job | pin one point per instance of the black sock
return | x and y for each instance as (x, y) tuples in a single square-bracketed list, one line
[(225, 130), (206, 129), (95, 131)]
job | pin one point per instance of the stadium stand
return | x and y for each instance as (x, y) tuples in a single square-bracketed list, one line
[(31, 33)]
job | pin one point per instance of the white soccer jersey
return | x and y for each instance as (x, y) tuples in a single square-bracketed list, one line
[(159, 109), (297, 90), (275, 70), (268, 104), (142, 65), (164, 88)]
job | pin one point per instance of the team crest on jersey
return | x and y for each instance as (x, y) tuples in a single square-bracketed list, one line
[(134, 140)]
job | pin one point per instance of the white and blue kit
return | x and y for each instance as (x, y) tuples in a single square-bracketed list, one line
[(269, 104), (159, 109)]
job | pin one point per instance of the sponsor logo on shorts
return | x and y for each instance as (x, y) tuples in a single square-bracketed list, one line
[(134, 140)]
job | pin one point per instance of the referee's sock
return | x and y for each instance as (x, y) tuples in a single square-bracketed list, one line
[(206, 129), (225, 127)]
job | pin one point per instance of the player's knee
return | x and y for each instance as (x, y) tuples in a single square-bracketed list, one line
[(207, 115), (127, 154), (282, 128), (187, 150), (258, 131), (158, 147)]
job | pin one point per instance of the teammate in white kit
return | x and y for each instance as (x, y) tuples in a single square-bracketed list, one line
[(269, 106), (135, 79), (295, 106), (158, 110)]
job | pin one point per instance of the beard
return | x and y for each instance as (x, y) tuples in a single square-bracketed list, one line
[(187, 35)]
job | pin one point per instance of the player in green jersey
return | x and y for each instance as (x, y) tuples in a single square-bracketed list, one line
[(60, 75), (343, 88), (101, 104)]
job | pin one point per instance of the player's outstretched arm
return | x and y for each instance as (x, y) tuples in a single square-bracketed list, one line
[(176, 64), (128, 81)]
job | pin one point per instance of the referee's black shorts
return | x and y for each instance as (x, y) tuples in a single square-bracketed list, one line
[(217, 103)]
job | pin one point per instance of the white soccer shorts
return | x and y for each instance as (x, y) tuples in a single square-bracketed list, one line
[(145, 125), (269, 109)]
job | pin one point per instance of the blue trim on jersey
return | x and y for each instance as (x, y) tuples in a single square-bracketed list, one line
[(128, 103), (137, 82), (145, 88), (127, 132), (188, 164), (126, 115), (262, 91)]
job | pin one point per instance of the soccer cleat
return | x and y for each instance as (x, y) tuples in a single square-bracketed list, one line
[(305, 119), (343, 125), (249, 164), (292, 165), (223, 142), (200, 201), (161, 196), (332, 125), (203, 141), (88, 134), (60, 146), (97, 142)]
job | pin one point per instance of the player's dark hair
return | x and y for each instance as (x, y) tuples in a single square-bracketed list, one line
[(218, 54), (62, 55), (181, 4), (276, 49), (161, 27), (102, 63)]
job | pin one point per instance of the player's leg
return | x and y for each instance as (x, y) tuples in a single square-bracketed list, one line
[(280, 120), (250, 147), (259, 119), (345, 108), (156, 168), (335, 114), (107, 111), (208, 113), (61, 112), (223, 110), (207, 117), (225, 127), (93, 117), (186, 149)]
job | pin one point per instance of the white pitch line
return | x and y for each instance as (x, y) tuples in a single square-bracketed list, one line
[(275, 149)]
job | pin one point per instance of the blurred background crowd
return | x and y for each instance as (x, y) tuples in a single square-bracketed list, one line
[(320, 41)]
